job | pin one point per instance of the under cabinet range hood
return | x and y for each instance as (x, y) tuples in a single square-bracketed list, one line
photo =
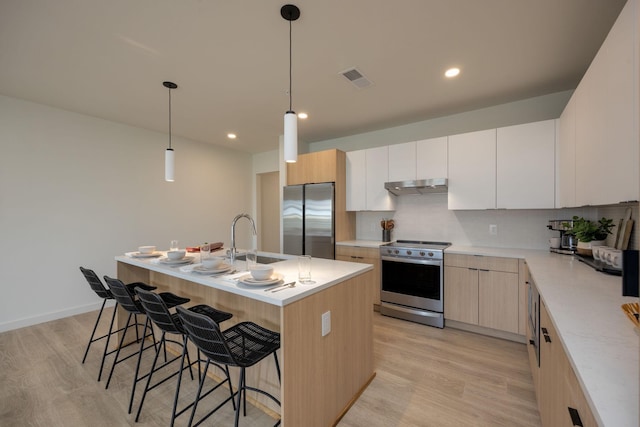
[(420, 186)]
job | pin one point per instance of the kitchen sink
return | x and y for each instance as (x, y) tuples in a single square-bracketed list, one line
[(261, 259)]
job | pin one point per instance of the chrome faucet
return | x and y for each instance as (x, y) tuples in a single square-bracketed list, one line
[(233, 251)]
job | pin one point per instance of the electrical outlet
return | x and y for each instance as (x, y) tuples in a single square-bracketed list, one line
[(493, 229), (326, 323)]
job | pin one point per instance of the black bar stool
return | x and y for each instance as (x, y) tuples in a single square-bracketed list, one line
[(96, 284), (168, 323), (127, 301), (242, 345)]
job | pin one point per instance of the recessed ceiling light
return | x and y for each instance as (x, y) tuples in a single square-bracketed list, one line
[(232, 136), (303, 115), (452, 72)]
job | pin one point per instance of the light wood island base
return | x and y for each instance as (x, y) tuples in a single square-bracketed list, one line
[(322, 376)]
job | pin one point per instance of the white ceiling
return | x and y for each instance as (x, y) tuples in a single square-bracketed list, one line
[(229, 58)]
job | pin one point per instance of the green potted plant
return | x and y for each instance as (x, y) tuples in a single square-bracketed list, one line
[(590, 233)]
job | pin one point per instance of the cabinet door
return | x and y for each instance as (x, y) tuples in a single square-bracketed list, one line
[(566, 156), (431, 158), (577, 400), (551, 398), (472, 170), (356, 181), (402, 162), (523, 283), (607, 148), (377, 173), (498, 300), (525, 174), (366, 256), (320, 166), (461, 294)]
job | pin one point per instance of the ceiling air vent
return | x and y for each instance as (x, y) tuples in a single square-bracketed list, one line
[(356, 78)]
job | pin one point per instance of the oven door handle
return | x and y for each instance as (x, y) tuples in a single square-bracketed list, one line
[(412, 261)]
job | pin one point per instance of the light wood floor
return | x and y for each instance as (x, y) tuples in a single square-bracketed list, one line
[(425, 377)]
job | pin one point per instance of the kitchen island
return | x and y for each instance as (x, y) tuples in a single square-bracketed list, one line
[(321, 375)]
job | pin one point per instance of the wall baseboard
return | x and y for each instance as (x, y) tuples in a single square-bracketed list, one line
[(47, 317), (485, 331)]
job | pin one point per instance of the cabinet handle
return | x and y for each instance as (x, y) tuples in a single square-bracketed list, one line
[(544, 331), (474, 269), (482, 269), (532, 342), (547, 338), (575, 417)]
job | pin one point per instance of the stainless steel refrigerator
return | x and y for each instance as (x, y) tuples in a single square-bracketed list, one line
[(308, 223)]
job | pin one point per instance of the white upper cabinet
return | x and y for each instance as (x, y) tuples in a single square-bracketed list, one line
[(356, 181), (402, 162), (472, 170), (378, 198), (525, 173), (431, 158), (566, 156), (367, 171), (606, 119)]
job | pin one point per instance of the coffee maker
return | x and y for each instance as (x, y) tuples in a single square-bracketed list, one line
[(568, 242)]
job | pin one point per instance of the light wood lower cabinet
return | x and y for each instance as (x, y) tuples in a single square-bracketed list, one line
[(483, 291), (561, 401), (364, 255), (461, 294)]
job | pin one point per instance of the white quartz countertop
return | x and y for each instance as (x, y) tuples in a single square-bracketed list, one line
[(325, 273), (599, 340), (362, 243)]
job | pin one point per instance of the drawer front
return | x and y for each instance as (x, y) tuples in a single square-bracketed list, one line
[(357, 253), (509, 265), (457, 260), (481, 262)]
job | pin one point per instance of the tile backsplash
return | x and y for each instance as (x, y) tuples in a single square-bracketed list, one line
[(426, 217)]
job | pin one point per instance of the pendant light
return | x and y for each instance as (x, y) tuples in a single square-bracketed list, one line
[(290, 13), (169, 159)]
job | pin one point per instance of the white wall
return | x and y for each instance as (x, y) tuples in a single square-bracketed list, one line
[(76, 191), (528, 110)]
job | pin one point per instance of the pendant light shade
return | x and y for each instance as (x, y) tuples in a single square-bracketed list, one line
[(169, 165), (290, 137), (290, 13), (169, 154)]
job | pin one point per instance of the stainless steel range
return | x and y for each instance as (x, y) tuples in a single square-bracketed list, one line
[(412, 281)]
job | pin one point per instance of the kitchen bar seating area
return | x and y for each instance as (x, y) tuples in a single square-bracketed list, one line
[(242, 345)]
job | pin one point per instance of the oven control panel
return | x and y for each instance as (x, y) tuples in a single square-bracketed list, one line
[(412, 253)]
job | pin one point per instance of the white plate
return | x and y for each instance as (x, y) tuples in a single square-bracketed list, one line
[(221, 269), (249, 280), (141, 255), (185, 260)]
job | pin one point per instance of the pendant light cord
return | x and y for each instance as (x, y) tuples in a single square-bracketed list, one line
[(290, 67), (169, 118)]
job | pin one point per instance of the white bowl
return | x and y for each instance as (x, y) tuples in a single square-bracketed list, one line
[(146, 249), (176, 255), (213, 262), (261, 272)]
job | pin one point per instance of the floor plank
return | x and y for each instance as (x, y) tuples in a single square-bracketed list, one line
[(425, 377)]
